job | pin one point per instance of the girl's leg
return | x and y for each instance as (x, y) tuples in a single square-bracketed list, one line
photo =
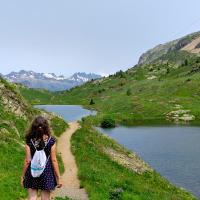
[(45, 195), (32, 194)]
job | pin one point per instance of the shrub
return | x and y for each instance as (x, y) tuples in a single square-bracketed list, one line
[(120, 74), (108, 123), (92, 101), (128, 92), (167, 70), (116, 194), (186, 62)]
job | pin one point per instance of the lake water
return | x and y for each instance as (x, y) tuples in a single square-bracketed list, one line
[(173, 151), (68, 112)]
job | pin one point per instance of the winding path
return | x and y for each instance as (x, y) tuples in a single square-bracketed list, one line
[(71, 184)]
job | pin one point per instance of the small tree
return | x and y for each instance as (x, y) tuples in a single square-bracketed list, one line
[(116, 194), (120, 74), (128, 92), (168, 70), (108, 123), (92, 101), (186, 62)]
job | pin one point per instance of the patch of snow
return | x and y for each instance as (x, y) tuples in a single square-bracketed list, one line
[(72, 79), (31, 76), (48, 75), (84, 79)]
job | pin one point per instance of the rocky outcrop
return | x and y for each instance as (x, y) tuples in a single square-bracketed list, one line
[(179, 115), (12, 101), (9, 124), (197, 46), (193, 46), (175, 45), (156, 52), (130, 161)]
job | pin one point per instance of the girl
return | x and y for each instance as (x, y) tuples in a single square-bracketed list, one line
[(38, 137)]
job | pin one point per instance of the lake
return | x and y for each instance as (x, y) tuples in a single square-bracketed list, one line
[(173, 151), (68, 112)]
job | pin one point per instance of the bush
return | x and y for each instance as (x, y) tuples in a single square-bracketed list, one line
[(128, 92), (92, 102), (186, 62), (108, 123), (120, 74), (101, 90), (167, 70), (116, 194)]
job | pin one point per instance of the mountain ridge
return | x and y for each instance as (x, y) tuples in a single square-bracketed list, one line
[(162, 49), (49, 81)]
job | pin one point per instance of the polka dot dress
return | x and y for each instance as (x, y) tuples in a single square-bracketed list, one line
[(47, 180)]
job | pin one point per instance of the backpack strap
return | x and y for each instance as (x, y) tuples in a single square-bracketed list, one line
[(33, 144), (47, 141), (45, 144)]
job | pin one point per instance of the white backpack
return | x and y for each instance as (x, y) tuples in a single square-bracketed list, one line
[(39, 161)]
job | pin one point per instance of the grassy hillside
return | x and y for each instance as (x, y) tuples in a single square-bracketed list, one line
[(36, 96), (15, 116), (162, 92)]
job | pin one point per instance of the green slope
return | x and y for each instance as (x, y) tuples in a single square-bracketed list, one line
[(143, 94), (15, 116)]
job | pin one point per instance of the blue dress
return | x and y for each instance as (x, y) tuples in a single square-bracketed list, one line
[(47, 180)]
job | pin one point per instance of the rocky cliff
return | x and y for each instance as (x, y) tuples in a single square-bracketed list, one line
[(187, 43)]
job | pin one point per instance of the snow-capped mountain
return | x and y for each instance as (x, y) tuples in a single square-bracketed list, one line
[(49, 81), (82, 77)]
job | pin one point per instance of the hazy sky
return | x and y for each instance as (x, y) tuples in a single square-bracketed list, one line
[(100, 36)]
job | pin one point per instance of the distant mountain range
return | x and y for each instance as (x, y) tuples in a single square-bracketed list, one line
[(49, 81)]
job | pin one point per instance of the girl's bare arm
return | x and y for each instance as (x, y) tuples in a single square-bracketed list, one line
[(55, 164), (27, 161)]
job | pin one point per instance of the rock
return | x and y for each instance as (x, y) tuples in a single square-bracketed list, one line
[(131, 161), (4, 131), (179, 115), (151, 77), (187, 117), (12, 101), (11, 125)]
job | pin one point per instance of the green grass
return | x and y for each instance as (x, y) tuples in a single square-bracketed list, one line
[(60, 163), (12, 157), (101, 176), (58, 125), (36, 96), (66, 198)]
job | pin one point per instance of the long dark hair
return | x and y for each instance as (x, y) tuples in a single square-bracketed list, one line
[(38, 128)]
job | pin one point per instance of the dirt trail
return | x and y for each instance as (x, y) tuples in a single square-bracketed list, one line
[(71, 185)]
